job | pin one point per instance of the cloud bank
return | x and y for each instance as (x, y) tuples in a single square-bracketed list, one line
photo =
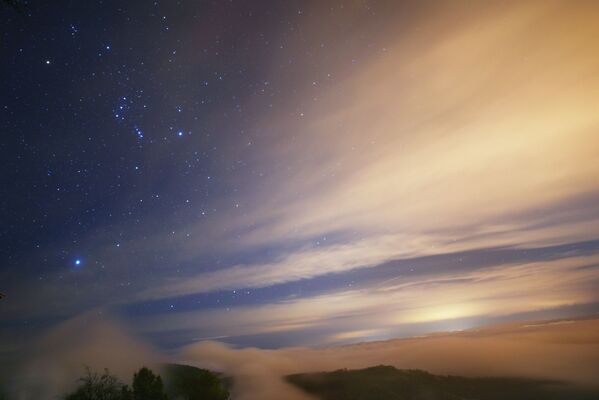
[(565, 350)]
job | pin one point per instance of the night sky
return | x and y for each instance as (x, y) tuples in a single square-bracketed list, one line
[(277, 173)]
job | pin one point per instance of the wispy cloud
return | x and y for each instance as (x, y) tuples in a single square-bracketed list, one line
[(503, 290), (463, 133)]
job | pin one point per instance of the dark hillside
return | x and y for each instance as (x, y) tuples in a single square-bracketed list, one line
[(389, 383)]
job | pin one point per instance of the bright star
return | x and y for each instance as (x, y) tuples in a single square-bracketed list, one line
[(77, 262)]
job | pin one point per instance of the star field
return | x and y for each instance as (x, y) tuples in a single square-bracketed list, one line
[(282, 173), (116, 113)]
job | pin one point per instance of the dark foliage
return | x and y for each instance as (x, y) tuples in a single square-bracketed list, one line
[(388, 383), (148, 386), (182, 383), (190, 383), (99, 387)]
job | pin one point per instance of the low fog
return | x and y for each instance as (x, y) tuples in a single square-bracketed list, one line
[(561, 350)]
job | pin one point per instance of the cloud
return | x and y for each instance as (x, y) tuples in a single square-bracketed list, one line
[(302, 264), (447, 128), (477, 131), (558, 351), (563, 350), (403, 302)]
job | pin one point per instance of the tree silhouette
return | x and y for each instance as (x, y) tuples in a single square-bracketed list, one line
[(100, 387), (190, 383), (148, 386)]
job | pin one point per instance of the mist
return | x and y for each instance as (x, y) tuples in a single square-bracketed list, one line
[(566, 350), (561, 350), (51, 366)]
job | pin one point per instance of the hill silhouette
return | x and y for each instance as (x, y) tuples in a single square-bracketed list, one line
[(389, 383)]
